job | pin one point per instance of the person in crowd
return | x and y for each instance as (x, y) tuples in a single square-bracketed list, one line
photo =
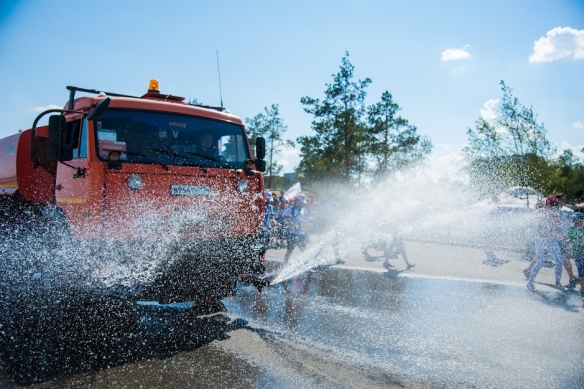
[(276, 207), (307, 222), (303, 203), (267, 224), (282, 228), (563, 241), (529, 249), (576, 235), (275, 226), (396, 248), (294, 219), (549, 231), (282, 209)]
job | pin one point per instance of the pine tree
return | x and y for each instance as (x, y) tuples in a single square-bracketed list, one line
[(336, 151), (391, 140)]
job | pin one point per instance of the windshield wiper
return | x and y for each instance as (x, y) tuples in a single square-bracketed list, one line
[(173, 154), (166, 152), (169, 153), (208, 157)]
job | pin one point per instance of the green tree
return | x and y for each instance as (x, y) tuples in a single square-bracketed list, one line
[(511, 150), (569, 177), (271, 126), (525, 134), (484, 141), (391, 140), (336, 151)]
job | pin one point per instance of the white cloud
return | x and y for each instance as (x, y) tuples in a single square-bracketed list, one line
[(489, 114), (289, 159), (488, 111), (50, 106), (455, 54), (578, 125), (558, 43), (577, 150)]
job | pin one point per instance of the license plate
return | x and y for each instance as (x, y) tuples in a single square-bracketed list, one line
[(190, 190)]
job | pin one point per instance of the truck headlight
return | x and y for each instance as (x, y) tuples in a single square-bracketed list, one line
[(242, 186), (135, 182)]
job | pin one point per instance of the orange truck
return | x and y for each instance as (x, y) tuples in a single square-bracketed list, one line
[(131, 200)]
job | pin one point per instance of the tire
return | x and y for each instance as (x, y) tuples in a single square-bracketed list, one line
[(95, 332), (29, 344), (27, 313)]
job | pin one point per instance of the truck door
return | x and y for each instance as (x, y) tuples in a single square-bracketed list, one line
[(72, 188)]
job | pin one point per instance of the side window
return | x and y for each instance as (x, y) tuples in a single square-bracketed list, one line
[(78, 138), (83, 140), (233, 148)]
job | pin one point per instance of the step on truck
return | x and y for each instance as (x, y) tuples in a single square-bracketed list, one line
[(121, 202)]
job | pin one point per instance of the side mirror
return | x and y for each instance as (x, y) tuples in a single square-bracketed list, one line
[(57, 129), (59, 148), (260, 147), (260, 165), (100, 109)]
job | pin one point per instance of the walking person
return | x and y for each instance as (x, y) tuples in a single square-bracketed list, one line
[(564, 240), (531, 239), (396, 248), (267, 224), (275, 225), (281, 227), (549, 230), (576, 234), (565, 216)]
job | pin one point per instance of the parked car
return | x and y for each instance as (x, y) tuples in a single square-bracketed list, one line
[(515, 198)]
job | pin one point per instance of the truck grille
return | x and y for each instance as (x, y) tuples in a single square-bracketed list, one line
[(184, 224)]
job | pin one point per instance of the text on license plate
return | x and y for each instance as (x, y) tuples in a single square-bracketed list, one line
[(190, 190)]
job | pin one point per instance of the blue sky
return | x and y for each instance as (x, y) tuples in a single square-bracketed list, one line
[(441, 60)]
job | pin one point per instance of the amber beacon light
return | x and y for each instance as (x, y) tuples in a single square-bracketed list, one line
[(153, 86)]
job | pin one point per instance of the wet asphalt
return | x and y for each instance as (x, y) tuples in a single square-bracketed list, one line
[(341, 326), (440, 331)]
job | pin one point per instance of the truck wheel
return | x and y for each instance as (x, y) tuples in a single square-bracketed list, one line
[(95, 331), (29, 343), (27, 313)]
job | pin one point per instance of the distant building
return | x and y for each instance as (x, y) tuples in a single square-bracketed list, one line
[(289, 179)]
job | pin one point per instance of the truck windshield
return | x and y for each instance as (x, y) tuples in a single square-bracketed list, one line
[(170, 139)]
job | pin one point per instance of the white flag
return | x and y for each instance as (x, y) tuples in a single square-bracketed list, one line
[(293, 191)]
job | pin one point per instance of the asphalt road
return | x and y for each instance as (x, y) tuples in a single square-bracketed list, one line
[(454, 320)]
